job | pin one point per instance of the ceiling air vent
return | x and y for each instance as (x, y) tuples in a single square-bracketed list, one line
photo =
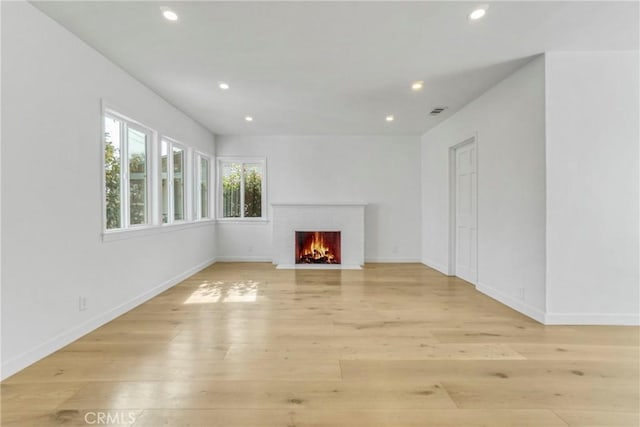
[(437, 111)]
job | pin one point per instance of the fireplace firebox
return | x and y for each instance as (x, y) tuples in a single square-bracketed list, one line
[(318, 247)]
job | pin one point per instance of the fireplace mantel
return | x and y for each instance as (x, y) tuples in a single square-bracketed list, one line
[(346, 217)]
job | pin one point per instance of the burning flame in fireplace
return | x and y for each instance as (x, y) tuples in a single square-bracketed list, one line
[(317, 247), (320, 247)]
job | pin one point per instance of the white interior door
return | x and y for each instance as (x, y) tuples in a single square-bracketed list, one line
[(466, 206)]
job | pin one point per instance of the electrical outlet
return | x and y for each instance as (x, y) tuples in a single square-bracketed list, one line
[(82, 303), (250, 249), (394, 250)]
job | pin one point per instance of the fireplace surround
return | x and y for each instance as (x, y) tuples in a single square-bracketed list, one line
[(345, 218)]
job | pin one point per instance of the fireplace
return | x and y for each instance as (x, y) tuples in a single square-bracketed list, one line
[(348, 218), (318, 247)]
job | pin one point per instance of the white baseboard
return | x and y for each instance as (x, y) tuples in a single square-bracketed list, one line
[(622, 319), (267, 259), (517, 305), (243, 259), (12, 366), (436, 266)]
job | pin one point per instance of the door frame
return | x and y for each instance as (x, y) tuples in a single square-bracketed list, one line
[(473, 140)]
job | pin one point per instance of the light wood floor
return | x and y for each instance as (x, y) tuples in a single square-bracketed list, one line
[(391, 345)]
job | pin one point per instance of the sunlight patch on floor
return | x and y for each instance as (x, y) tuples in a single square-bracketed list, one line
[(213, 292)]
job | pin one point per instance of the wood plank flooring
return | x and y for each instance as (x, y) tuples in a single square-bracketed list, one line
[(392, 345)]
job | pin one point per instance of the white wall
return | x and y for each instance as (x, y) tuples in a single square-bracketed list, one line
[(509, 123), (383, 171), (51, 191), (592, 187)]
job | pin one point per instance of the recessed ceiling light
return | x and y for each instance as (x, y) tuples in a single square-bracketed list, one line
[(223, 85), (478, 13), (249, 118), (390, 118), (417, 85), (169, 14)]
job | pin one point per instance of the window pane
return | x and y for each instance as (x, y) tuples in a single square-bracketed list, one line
[(112, 173), (164, 172), (204, 188), (231, 173), (137, 144), (252, 190), (178, 184)]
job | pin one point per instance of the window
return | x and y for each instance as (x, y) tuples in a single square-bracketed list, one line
[(126, 148), (137, 158), (203, 187), (173, 167), (242, 188), (151, 181)]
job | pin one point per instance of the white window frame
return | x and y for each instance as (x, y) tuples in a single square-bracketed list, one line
[(219, 193), (124, 172), (154, 223), (198, 156), (171, 143)]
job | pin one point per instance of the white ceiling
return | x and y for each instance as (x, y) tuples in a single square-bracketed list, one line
[(334, 67)]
